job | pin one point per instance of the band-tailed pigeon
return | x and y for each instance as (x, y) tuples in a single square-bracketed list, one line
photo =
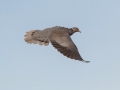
[(59, 38)]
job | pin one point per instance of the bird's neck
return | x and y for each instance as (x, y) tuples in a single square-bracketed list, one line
[(71, 32)]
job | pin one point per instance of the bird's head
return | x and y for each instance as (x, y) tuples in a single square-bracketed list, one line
[(75, 29)]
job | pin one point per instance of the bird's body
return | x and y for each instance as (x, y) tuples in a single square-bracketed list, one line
[(59, 38)]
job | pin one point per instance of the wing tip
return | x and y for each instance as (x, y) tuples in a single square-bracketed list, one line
[(85, 61)]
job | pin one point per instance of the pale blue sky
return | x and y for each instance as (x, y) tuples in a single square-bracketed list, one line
[(32, 67)]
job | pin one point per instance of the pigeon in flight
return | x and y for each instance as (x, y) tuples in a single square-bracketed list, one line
[(59, 38)]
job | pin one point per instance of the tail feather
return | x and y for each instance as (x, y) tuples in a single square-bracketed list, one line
[(29, 38), (32, 37)]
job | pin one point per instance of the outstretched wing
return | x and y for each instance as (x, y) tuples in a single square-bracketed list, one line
[(64, 44)]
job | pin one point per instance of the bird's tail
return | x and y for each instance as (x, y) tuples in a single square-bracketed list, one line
[(28, 37)]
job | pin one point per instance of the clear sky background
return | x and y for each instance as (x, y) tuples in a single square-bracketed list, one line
[(32, 67)]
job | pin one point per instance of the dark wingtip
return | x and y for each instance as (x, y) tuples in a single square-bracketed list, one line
[(85, 61)]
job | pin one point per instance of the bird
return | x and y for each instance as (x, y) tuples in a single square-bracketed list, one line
[(60, 38)]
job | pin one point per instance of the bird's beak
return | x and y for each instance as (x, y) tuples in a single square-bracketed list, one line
[(79, 31)]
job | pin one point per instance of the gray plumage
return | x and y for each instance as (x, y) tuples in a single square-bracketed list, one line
[(59, 38)]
